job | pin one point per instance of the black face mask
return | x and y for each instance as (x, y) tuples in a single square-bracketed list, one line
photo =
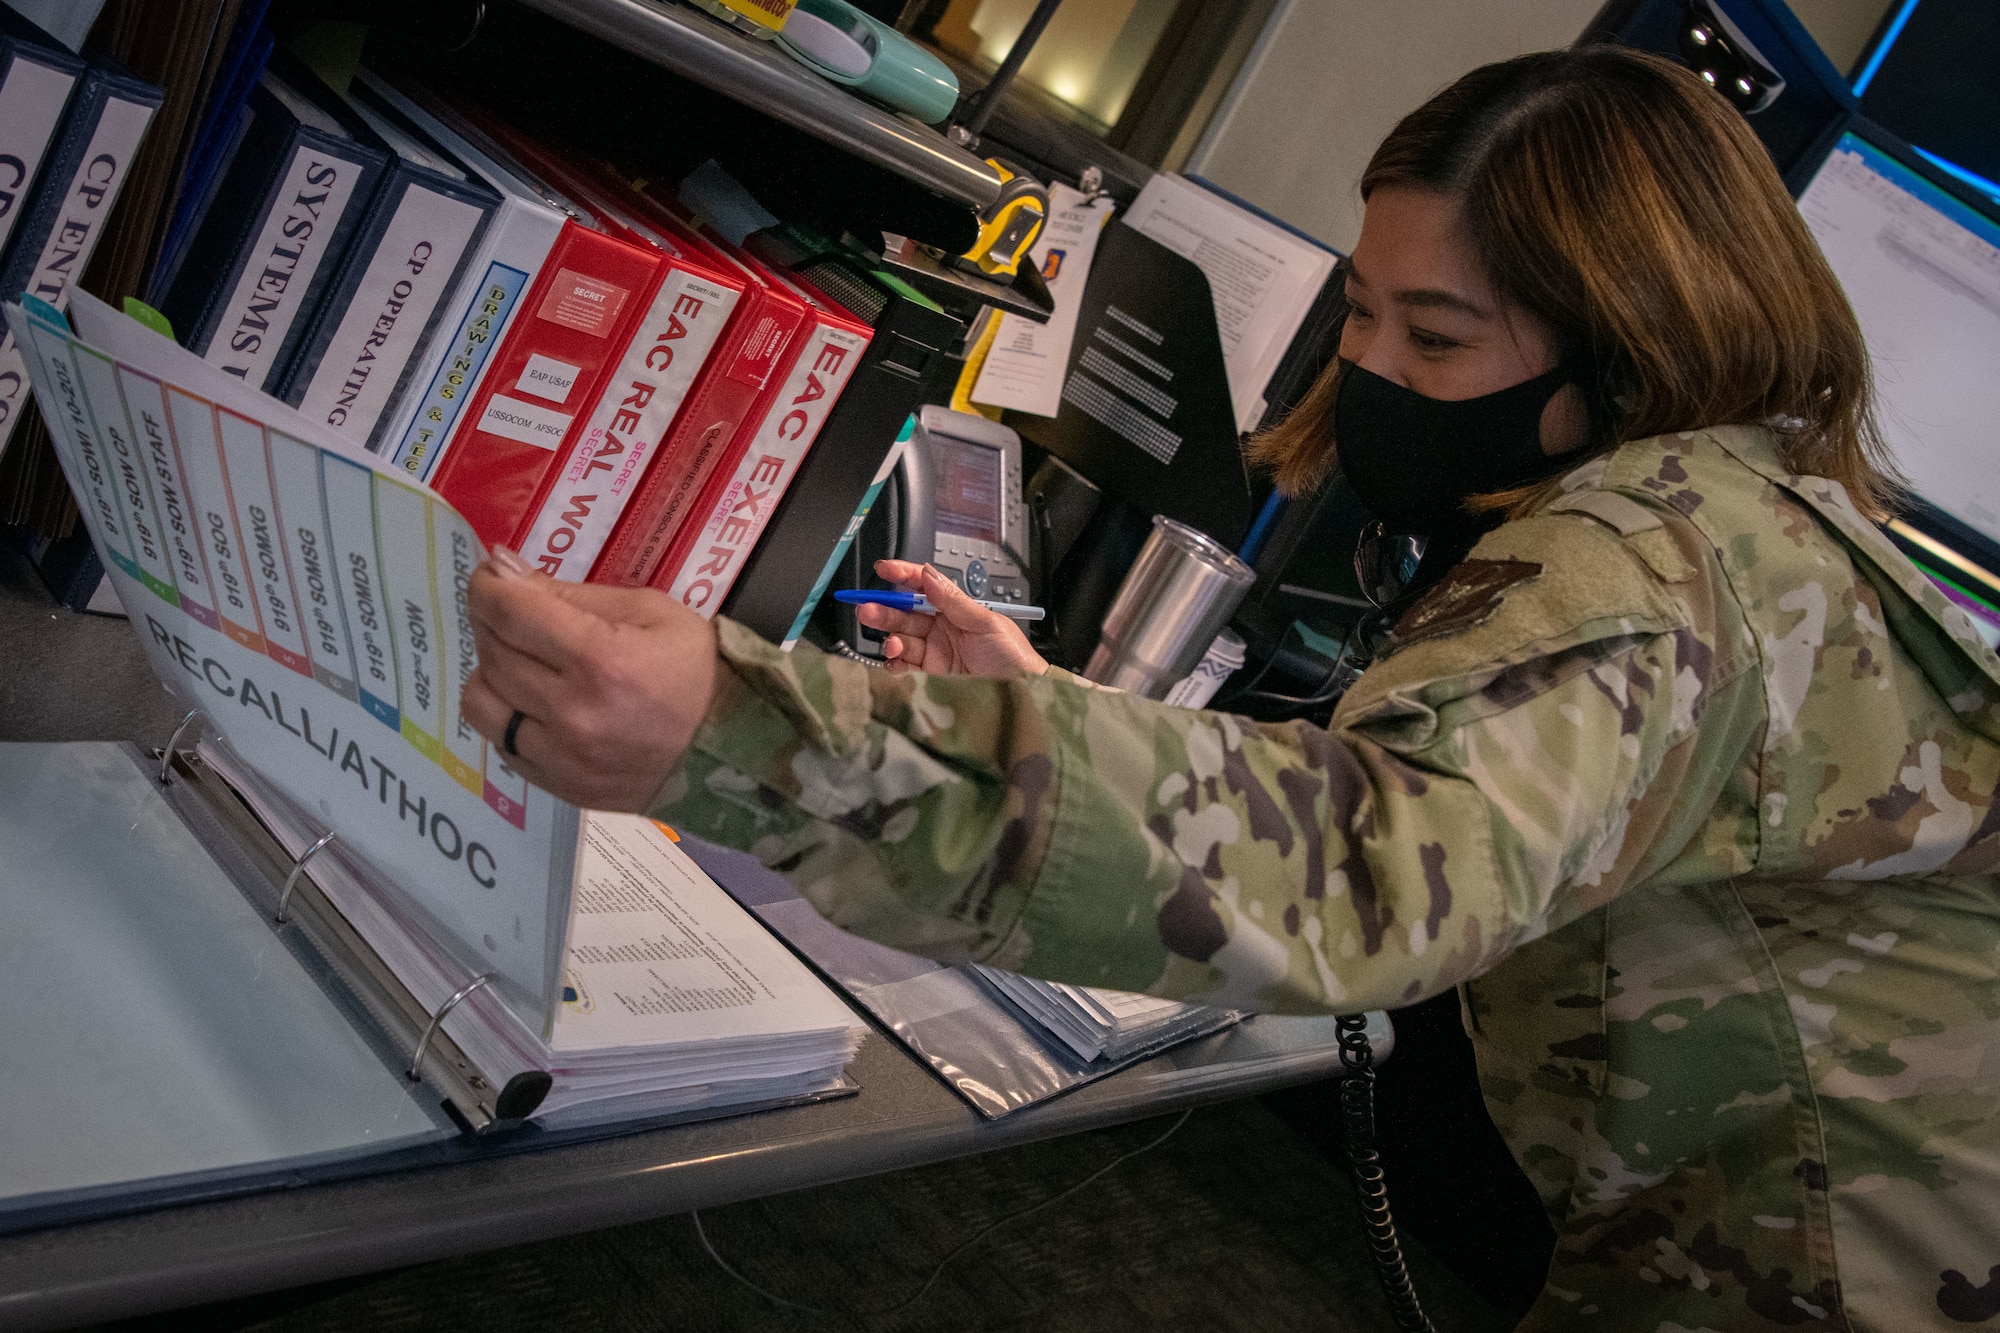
[(1414, 461)]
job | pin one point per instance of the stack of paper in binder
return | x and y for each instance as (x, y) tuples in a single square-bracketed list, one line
[(1100, 1024), (311, 603), (672, 999)]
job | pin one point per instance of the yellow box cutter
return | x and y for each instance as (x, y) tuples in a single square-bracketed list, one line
[(1010, 224)]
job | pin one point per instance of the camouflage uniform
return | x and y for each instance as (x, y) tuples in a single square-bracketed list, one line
[(1688, 779)]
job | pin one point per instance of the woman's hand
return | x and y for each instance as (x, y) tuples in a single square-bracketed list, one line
[(964, 638), (611, 682)]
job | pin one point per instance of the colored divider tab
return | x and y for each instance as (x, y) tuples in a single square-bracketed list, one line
[(256, 513), (455, 553), (308, 550), (151, 559), (402, 533), (191, 424), (66, 410), (349, 489), (145, 404), (506, 790)]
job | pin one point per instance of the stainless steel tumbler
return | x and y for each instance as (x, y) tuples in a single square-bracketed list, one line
[(1177, 597)]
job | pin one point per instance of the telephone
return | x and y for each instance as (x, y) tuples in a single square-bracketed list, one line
[(963, 477), (955, 501)]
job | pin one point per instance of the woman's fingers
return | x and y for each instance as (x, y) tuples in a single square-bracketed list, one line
[(902, 573), (643, 607), (908, 653), (889, 620), (952, 603), (490, 712), (481, 705)]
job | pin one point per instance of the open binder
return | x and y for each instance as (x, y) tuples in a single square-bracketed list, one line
[(327, 924)]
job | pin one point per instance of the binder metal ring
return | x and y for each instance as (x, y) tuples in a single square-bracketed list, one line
[(437, 1020), (167, 751), (298, 867)]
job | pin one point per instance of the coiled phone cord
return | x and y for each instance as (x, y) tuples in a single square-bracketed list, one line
[(1357, 1113)]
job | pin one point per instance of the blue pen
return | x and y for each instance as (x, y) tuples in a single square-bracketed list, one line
[(915, 601)]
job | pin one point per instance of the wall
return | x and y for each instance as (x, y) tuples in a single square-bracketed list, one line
[(1329, 78), (1842, 27)]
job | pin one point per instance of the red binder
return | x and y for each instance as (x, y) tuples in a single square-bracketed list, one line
[(759, 346), (725, 523), (611, 445), (548, 371)]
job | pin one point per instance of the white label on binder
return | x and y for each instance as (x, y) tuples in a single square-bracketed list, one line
[(390, 308), (305, 213), (546, 377), (788, 430), (513, 419), (640, 402), (31, 102)]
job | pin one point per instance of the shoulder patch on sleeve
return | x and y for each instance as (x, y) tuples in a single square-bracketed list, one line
[(1621, 513), (1468, 595), (1643, 527)]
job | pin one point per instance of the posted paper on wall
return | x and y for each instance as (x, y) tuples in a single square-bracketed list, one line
[(1024, 368), (1263, 277)]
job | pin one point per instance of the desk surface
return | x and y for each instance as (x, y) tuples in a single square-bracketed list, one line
[(65, 677)]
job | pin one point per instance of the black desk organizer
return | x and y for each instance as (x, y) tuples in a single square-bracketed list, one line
[(1146, 409)]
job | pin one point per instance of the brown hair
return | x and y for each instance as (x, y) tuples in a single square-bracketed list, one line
[(1619, 199)]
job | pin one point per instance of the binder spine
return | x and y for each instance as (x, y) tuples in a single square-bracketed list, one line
[(34, 89), (609, 457), (701, 565), (281, 267), (61, 230), (760, 344), (379, 313), (564, 341), (903, 362), (493, 293)]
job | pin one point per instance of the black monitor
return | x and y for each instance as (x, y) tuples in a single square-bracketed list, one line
[(1920, 263), (1931, 77)]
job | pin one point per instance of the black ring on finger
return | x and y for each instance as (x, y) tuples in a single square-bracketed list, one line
[(513, 732)]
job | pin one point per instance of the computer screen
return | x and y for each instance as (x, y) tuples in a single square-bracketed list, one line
[(1922, 270), (968, 492)]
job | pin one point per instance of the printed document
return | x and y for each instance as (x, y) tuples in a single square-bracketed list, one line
[(659, 953), (1024, 368), (1263, 277)]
